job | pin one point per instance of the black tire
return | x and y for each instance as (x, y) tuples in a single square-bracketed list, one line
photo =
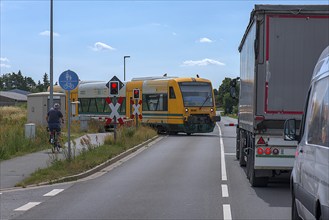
[(253, 180), (188, 134), (257, 181), (294, 212), (237, 144), (242, 146)]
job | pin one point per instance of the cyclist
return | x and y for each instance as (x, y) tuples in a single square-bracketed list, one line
[(54, 118)]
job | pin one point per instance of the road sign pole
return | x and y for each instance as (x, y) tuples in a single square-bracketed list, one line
[(115, 121), (69, 80), (69, 124), (136, 116)]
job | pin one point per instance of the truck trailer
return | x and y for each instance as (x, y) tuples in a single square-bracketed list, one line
[(278, 52)]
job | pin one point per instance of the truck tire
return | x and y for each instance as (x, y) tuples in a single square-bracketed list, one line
[(237, 144), (253, 180), (242, 154)]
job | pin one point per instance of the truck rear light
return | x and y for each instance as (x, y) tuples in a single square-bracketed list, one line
[(268, 151), (275, 151), (260, 151)]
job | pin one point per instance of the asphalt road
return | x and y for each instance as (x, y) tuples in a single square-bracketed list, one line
[(180, 177)]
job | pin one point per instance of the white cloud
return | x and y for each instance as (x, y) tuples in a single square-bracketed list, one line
[(3, 65), (47, 33), (204, 62), (205, 40), (4, 62), (98, 46), (4, 59)]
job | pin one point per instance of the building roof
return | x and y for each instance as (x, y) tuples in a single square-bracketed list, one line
[(19, 91), (13, 95)]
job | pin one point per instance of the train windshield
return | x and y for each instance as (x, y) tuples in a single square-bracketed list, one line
[(196, 94)]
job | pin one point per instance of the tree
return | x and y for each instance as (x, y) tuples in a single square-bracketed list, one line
[(46, 83), (12, 80), (224, 97)]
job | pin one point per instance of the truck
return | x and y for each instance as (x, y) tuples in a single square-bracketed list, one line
[(278, 52)]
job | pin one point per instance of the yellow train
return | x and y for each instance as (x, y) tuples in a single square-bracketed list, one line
[(169, 104), (175, 104)]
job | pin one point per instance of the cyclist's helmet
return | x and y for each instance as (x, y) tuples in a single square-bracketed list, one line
[(56, 106)]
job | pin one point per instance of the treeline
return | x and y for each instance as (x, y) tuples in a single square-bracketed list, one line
[(13, 80), (224, 98)]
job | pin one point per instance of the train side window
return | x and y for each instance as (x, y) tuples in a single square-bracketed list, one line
[(172, 93), (155, 102)]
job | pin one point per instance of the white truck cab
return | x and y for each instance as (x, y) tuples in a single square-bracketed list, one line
[(310, 175)]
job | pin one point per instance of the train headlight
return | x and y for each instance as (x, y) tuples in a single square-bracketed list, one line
[(186, 110), (211, 110)]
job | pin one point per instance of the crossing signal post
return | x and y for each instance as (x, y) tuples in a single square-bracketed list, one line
[(136, 95), (114, 86), (114, 92)]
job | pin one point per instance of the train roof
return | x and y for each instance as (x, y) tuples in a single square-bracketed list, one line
[(165, 78)]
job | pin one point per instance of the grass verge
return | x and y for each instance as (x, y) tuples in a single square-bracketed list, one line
[(91, 156), (12, 133)]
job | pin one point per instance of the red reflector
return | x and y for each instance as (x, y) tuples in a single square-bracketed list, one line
[(261, 141), (260, 150), (268, 151), (259, 118)]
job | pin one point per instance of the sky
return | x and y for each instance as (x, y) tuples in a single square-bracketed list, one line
[(91, 38)]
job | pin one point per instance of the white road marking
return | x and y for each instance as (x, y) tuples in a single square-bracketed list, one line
[(223, 164), (230, 154), (227, 212), (27, 206), (54, 192), (224, 190)]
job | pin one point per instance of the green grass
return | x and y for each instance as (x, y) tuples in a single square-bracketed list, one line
[(12, 133), (91, 156)]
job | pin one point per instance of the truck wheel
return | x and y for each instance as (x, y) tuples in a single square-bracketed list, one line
[(242, 160), (237, 144), (253, 180)]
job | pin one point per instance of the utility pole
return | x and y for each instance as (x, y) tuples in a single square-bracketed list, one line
[(51, 90)]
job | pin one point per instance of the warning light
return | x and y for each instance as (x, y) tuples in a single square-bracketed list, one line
[(136, 93), (114, 88)]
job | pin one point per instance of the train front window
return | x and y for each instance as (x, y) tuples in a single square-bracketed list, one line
[(196, 94)]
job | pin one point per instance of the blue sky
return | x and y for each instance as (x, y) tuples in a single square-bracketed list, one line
[(180, 38)]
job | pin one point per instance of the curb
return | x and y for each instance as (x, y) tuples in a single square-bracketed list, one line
[(98, 167)]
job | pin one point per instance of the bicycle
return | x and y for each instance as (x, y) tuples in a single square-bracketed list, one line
[(53, 139)]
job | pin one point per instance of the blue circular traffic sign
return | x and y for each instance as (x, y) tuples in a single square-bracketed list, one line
[(68, 80)]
